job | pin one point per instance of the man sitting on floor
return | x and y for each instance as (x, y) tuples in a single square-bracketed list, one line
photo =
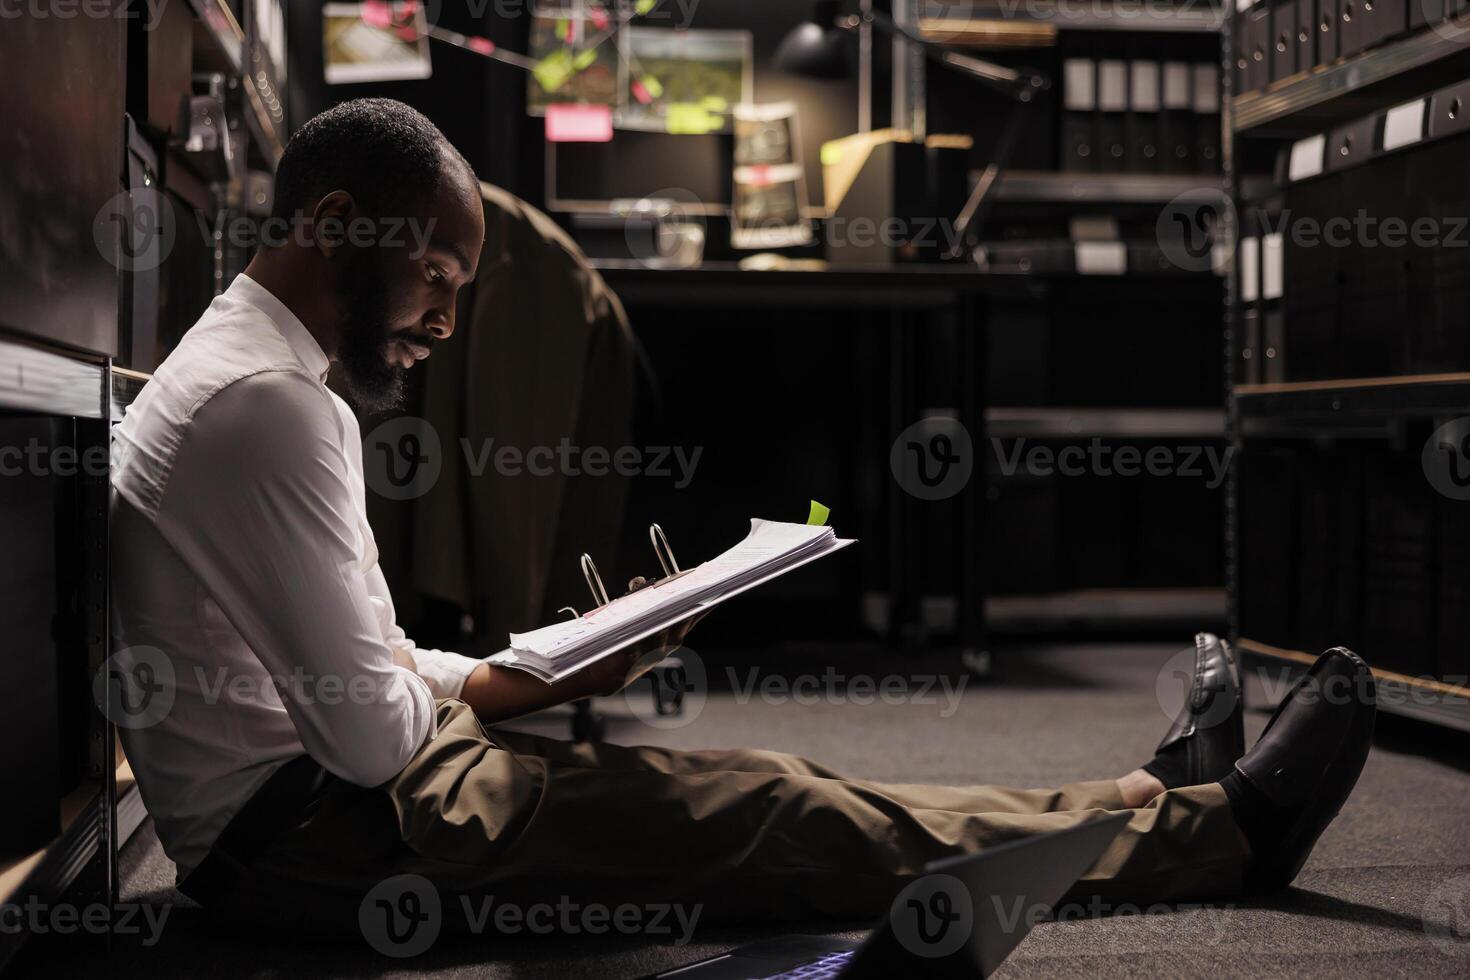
[(241, 555)]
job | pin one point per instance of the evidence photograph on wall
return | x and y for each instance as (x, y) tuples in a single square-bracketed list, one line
[(651, 79), (685, 81), (578, 60), (375, 43)]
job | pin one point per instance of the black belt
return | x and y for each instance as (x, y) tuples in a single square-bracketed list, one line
[(282, 803)]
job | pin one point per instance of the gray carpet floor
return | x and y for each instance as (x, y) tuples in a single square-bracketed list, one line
[(1385, 894)]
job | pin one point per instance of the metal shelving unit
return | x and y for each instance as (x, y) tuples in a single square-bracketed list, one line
[(1355, 399), (104, 809), (989, 24), (1182, 610), (1357, 85), (40, 379), (1399, 694), (1357, 409), (1106, 423), (1046, 187)]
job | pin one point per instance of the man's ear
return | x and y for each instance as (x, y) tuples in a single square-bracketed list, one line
[(329, 222)]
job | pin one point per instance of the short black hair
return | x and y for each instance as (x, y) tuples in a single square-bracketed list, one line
[(382, 152)]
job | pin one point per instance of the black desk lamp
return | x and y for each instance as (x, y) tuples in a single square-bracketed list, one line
[(818, 48)]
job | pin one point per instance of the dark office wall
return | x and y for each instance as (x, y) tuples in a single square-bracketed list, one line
[(35, 516), (478, 103), (60, 163), (636, 164)]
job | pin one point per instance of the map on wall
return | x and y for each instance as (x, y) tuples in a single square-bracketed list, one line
[(685, 81), (356, 48), (652, 79), (577, 60)]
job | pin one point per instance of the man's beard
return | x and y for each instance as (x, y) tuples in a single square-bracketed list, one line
[(374, 383)]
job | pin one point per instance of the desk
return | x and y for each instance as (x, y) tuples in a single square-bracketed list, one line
[(906, 287), (914, 298)]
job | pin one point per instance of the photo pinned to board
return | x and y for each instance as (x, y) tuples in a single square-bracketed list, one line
[(769, 202)]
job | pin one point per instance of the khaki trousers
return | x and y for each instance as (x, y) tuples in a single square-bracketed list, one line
[(744, 834)]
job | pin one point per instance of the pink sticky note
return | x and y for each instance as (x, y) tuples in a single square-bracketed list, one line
[(480, 45), (376, 13), (574, 122)]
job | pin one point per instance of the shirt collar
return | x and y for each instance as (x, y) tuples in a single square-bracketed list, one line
[(303, 344)]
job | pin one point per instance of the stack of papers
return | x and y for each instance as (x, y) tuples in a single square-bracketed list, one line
[(771, 549)]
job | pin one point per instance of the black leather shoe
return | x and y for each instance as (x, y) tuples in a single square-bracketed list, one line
[(1211, 725), (1309, 758)]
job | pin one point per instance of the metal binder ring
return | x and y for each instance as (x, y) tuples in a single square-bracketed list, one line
[(594, 580), (661, 548)]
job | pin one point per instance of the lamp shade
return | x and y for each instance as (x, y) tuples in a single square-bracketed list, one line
[(817, 47)]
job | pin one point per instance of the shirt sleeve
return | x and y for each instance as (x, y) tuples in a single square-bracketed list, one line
[(444, 672), (258, 505)]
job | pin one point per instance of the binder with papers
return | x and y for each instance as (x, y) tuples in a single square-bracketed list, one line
[(770, 550), (1177, 119), (1206, 99), (1283, 55), (1143, 116), (1329, 26), (1079, 84), (1112, 104)]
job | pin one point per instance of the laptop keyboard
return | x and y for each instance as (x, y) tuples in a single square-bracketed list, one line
[(828, 966)]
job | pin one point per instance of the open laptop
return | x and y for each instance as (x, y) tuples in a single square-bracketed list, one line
[(961, 919)]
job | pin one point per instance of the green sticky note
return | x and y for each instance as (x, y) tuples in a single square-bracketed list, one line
[(584, 58), (715, 103), (819, 514), (642, 7), (831, 153), (654, 86), (553, 71), (690, 119)]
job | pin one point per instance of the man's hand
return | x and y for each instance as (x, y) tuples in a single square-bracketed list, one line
[(611, 674), (499, 693), (405, 660)]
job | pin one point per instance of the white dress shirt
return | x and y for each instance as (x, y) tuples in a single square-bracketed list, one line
[(244, 573)]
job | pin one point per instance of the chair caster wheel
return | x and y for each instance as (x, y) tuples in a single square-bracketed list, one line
[(980, 663), (587, 724)]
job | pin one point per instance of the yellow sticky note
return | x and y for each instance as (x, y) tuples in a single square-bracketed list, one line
[(715, 103), (553, 71), (690, 119), (819, 513), (642, 7), (831, 154)]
